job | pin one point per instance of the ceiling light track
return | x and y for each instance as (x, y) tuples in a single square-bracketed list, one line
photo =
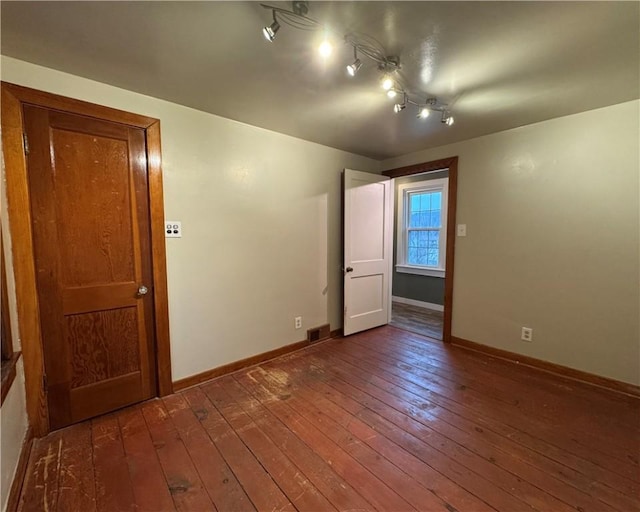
[(363, 45)]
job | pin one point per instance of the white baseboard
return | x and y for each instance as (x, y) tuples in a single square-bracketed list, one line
[(419, 303)]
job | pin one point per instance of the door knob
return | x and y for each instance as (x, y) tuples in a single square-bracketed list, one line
[(143, 290), (348, 269)]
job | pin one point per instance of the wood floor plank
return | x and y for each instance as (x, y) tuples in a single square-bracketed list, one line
[(259, 485), (408, 376), (339, 492), (220, 482), (306, 404), (40, 489), (77, 479), (114, 490), (393, 409), (374, 490), (294, 483), (504, 443), (546, 403), (499, 457), (150, 488), (185, 485), (614, 408), (381, 420)]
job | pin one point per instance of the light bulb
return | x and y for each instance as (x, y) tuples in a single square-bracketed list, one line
[(399, 107), (423, 113), (387, 83), (391, 93), (325, 49), (450, 121)]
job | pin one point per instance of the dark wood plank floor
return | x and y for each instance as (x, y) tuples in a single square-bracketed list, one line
[(416, 319), (384, 420)]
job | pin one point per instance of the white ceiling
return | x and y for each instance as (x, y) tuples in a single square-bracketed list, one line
[(498, 64)]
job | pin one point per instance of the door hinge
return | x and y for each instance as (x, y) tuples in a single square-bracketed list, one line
[(26, 143)]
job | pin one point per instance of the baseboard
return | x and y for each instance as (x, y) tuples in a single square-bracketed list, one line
[(21, 472), (539, 364), (199, 378), (419, 303)]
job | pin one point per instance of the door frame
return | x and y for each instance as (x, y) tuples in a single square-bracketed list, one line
[(450, 164), (19, 211)]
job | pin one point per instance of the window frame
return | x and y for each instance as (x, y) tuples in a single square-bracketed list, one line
[(404, 190)]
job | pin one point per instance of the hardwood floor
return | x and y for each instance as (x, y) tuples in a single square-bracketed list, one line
[(416, 319), (382, 420)]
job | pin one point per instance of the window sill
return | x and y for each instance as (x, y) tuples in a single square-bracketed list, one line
[(8, 375), (420, 271)]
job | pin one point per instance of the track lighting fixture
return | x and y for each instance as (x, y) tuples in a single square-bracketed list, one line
[(353, 68), (270, 32), (392, 80)]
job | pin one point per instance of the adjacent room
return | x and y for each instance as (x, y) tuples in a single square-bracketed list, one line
[(315, 256)]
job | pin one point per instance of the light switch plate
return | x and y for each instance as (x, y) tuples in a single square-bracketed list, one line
[(462, 230), (172, 229)]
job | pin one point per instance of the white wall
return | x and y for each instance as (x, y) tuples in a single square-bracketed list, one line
[(13, 428), (552, 239), (260, 213)]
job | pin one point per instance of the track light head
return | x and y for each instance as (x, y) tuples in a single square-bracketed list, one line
[(353, 68), (423, 113), (447, 118), (270, 32), (399, 107)]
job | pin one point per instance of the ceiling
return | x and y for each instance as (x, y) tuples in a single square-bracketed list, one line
[(497, 64)]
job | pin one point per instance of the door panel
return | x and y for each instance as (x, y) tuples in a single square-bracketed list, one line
[(90, 210), (368, 239)]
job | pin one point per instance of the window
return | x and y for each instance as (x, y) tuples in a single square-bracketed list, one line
[(422, 227)]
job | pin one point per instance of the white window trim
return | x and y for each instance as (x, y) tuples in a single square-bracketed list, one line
[(441, 184)]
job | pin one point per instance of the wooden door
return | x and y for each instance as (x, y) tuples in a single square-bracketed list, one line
[(368, 246), (88, 185)]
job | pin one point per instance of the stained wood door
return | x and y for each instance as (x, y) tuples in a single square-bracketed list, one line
[(89, 196), (368, 246)]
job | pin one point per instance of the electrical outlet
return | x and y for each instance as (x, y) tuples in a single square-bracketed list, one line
[(527, 334), (298, 322), (461, 230)]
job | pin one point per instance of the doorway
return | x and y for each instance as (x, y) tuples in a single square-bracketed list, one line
[(424, 242), (84, 190)]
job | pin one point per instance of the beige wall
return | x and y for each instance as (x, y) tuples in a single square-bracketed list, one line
[(13, 421), (552, 239), (260, 213)]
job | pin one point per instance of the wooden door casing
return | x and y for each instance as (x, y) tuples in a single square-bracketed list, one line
[(18, 208), (91, 233)]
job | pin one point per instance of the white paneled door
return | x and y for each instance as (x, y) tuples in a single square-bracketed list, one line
[(368, 246)]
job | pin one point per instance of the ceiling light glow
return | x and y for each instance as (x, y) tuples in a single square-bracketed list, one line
[(392, 93), (325, 49), (387, 83)]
